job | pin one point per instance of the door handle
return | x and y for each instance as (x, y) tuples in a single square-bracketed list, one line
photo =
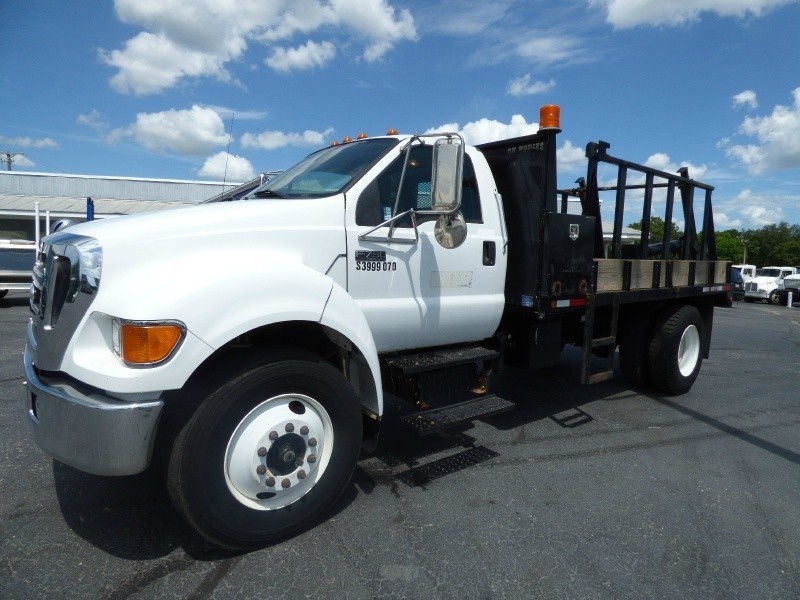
[(489, 253)]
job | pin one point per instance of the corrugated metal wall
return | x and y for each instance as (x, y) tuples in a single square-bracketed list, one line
[(118, 188)]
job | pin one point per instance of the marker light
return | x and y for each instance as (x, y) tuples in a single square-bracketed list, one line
[(334, 143), (362, 136), (392, 131), (347, 139), (146, 343), (550, 117)]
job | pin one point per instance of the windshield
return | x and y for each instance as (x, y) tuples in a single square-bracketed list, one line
[(770, 272), (327, 171)]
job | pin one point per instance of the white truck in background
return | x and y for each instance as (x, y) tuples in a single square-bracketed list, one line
[(748, 271), (256, 346), (766, 283)]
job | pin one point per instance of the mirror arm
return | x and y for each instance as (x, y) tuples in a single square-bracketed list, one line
[(367, 237)]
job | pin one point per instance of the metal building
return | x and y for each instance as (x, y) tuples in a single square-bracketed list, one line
[(64, 196)]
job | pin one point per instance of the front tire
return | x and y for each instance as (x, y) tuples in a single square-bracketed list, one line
[(774, 297), (266, 453), (676, 349)]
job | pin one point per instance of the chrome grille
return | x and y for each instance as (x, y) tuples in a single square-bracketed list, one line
[(751, 286), (65, 283)]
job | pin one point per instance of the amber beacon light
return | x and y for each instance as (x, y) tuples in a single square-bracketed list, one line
[(550, 118)]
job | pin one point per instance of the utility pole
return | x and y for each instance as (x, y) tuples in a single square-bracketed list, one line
[(8, 157)]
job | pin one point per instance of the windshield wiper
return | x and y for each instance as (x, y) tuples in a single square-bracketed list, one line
[(268, 193)]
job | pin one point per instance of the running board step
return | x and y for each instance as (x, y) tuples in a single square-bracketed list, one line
[(410, 364), (436, 419)]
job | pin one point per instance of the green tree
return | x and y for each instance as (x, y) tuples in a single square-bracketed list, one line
[(657, 229), (730, 246)]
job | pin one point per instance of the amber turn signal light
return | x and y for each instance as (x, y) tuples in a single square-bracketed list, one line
[(145, 344)]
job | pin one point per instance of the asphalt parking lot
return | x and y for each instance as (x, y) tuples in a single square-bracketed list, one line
[(580, 492)]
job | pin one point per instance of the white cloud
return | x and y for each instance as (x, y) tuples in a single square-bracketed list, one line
[(200, 38), (271, 140), (487, 130), (758, 210), (723, 221), (307, 56), (21, 161), (240, 115), (778, 136), (746, 98), (28, 142), (459, 18), (152, 63), (570, 158), (523, 86), (549, 50), (195, 132), (662, 162), (623, 14), (94, 120), (228, 167)]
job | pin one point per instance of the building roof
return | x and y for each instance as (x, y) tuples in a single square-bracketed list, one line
[(60, 206), (19, 183), (64, 195)]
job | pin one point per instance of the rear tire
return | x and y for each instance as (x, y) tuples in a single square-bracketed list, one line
[(676, 349), (266, 453)]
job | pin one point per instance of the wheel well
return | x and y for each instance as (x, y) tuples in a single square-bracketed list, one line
[(225, 362)]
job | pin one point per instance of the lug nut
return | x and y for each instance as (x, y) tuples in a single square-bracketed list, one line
[(261, 469), (289, 428), (301, 474), (262, 451), (304, 430), (270, 481), (312, 442), (311, 458), (299, 462), (273, 435), (286, 483)]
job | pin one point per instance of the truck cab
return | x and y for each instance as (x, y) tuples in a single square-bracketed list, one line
[(765, 285)]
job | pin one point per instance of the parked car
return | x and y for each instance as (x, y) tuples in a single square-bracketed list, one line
[(737, 287), (790, 284)]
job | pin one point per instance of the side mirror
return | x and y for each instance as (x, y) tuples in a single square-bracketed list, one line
[(448, 162)]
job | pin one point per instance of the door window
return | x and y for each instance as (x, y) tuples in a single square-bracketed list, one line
[(377, 202)]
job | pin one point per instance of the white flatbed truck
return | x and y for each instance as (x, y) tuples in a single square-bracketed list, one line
[(258, 345)]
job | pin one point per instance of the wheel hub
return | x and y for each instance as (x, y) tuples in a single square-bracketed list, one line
[(275, 454)]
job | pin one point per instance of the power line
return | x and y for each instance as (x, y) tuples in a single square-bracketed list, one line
[(8, 157)]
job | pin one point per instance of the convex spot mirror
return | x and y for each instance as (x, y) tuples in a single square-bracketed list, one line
[(448, 161), (450, 230)]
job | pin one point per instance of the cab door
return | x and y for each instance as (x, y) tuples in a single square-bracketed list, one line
[(413, 291)]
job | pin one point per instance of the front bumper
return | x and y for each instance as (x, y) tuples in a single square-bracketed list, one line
[(756, 294), (87, 429)]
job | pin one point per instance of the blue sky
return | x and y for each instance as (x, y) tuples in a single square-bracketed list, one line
[(160, 88)]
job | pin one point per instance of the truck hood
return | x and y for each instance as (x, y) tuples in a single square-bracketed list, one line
[(203, 239)]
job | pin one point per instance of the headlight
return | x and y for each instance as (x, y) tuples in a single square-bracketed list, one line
[(86, 260), (145, 343)]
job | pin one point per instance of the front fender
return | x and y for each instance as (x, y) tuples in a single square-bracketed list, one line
[(343, 316), (215, 309)]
